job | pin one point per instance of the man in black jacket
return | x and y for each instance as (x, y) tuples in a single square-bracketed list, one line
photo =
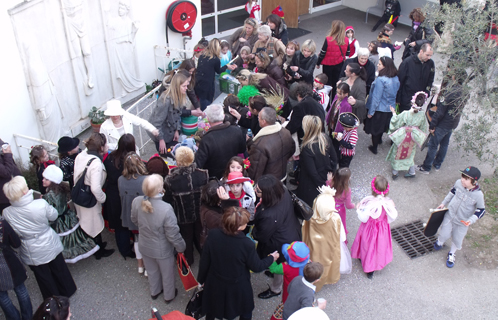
[(221, 142), (444, 121), (416, 73)]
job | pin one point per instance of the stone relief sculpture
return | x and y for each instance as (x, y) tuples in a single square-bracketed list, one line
[(79, 45), (43, 94), (122, 31)]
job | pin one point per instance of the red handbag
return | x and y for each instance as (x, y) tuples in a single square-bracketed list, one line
[(188, 279)]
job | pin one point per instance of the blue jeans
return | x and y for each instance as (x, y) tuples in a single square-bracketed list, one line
[(441, 139), (11, 313)]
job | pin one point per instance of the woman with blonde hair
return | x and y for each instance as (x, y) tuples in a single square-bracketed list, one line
[(130, 186), (183, 190), (157, 224), (316, 160), (303, 63), (245, 36), (324, 234), (333, 53), (272, 46), (209, 64), (167, 112), (41, 247), (266, 65)]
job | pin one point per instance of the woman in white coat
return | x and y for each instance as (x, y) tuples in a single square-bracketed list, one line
[(91, 220), (121, 122), (41, 248)]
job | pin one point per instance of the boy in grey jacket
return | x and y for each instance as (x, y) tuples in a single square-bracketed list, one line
[(465, 203)]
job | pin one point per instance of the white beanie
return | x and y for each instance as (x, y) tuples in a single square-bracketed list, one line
[(309, 313), (53, 173)]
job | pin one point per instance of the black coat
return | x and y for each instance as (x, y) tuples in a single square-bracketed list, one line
[(414, 76), (182, 189), (204, 76), (274, 71), (12, 271), (420, 36), (218, 145), (8, 169), (306, 66), (449, 110), (314, 168), (250, 123), (224, 271), (112, 204), (369, 67), (307, 106), (275, 226)]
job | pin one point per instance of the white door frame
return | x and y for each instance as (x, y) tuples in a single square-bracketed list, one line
[(323, 7), (215, 14)]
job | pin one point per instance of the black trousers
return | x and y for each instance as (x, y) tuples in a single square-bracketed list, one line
[(123, 236), (54, 278), (191, 233), (376, 140), (333, 73), (345, 161), (385, 18)]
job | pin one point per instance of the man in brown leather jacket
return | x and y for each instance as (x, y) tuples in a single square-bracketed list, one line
[(271, 148)]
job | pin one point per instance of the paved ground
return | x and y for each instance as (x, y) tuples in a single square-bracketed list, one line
[(421, 288)]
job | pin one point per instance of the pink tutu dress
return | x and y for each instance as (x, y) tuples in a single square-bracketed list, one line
[(373, 244), (342, 203)]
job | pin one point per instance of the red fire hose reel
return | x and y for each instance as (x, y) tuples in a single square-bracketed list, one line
[(181, 16)]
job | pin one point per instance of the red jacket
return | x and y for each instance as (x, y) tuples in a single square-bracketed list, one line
[(333, 56)]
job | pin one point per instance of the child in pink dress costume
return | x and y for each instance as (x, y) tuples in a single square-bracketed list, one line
[(340, 182), (373, 244)]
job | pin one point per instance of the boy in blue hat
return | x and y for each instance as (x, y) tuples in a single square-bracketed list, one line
[(465, 203), (297, 255)]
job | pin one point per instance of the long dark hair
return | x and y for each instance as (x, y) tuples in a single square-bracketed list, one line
[(389, 70), (273, 18), (272, 190), (358, 70), (125, 144), (341, 181), (237, 159), (185, 65), (61, 188), (53, 308)]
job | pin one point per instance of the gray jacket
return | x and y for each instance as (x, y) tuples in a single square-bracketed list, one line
[(159, 231), (166, 118), (359, 92), (30, 219), (463, 204), (129, 189)]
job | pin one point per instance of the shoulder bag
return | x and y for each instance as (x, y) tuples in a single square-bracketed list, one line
[(82, 194), (301, 209)]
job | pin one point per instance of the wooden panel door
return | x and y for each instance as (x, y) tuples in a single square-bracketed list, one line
[(290, 7)]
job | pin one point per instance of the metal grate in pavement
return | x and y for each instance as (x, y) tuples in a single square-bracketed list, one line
[(412, 240)]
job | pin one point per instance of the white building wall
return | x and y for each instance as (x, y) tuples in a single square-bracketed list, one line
[(17, 115)]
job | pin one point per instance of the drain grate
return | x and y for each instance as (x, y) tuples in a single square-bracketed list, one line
[(412, 240)]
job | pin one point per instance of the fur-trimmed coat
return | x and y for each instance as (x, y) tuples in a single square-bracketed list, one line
[(183, 191)]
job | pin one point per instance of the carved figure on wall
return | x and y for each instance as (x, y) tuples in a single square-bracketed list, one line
[(79, 45), (122, 34), (43, 94)]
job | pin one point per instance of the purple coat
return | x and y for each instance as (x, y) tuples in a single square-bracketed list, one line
[(343, 107)]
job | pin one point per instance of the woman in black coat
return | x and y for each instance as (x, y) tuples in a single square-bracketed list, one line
[(274, 224), (419, 34), (303, 63), (12, 274), (317, 158), (209, 64), (114, 165), (227, 258)]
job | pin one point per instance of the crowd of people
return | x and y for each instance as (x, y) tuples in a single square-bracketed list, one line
[(228, 187)]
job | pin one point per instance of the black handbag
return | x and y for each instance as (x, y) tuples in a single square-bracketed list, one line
[(194, 306), (82, 194), (301, 209)]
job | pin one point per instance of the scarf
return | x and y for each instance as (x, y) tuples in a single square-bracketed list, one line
[(95, 153)]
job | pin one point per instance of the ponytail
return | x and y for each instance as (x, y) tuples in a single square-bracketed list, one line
[(358, 70), (146, 205)]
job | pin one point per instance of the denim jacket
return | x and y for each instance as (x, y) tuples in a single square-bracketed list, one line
[(382, 95)]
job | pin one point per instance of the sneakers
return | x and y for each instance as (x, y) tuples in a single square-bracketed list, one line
[(422, 170), (395, 176), (408, 176), (450, 262), (437, 247), (436, 168)]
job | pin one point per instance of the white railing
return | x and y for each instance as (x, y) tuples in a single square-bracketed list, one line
[(140, 110)]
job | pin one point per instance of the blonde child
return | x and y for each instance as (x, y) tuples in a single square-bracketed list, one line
[(290, 51), (373, 243), (340, 182)]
